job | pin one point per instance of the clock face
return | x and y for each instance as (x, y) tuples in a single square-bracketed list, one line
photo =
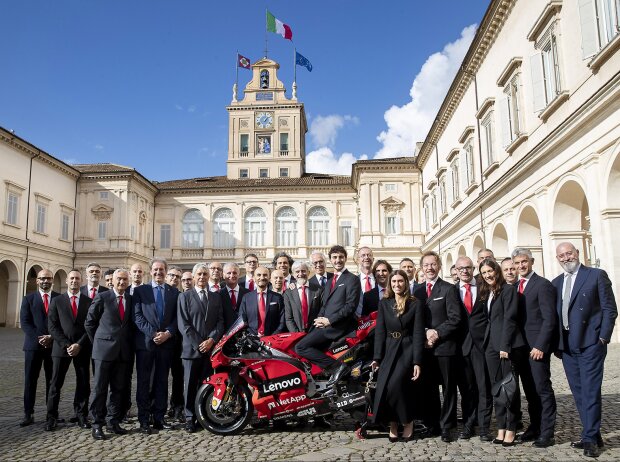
[(264, 119)]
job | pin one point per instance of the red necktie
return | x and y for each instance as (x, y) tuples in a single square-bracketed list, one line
[(334, 279), (121, 307), (74, 306), (468, 298), (304, 306), (261, 313), (367, 287), (46, 302), (233, 299), (521, 285), (251, 286), (429, 289), (216, 287), (93, 292)]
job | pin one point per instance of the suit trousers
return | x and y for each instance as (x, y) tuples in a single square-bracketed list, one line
[(152, 369), (483, 387), (584, 372), (522, 363), (541, 376), (313, 346), (34, 360), (81, 365), (195, 370), (466, 384), (439, 370), (112, 374)]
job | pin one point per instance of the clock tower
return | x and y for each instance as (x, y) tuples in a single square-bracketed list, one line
[(266, 130)]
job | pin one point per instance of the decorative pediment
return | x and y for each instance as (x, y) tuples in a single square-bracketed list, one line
[(102, 212), (391, 204)]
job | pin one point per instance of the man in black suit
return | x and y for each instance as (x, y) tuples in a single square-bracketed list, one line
[(365, 260), (110, 328), (215, 276), (408, 266), (251, 263), (284, 262), (539, 319), (473, 377), (509, 271), (136, 273), (93, 276), (321, 277), (301, 303), (155, 316), (370, 300), (66, 318), (232, 294), (37, 341), (107, 277), (201, 323), (263, 310), (336, 318), (443, 321)]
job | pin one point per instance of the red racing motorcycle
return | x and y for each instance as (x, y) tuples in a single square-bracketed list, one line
[(267, 375)]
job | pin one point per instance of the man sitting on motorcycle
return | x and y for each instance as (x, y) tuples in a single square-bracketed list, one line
[(336, 318)]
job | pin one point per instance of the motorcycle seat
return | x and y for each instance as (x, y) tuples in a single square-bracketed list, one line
[(339, 341)]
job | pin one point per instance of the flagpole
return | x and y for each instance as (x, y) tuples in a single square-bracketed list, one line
[(294, 64), (266, 11), (237, 68)]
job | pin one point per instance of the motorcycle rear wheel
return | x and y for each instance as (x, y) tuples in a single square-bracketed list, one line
[(231, 417)]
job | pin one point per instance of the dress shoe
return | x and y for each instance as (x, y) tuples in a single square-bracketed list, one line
[(50, 425), (445, 436), (528, 435), (321, 422), (171, 412), (544, 442), (117, 429), (73, 419), (162, 425), (486, 437), (83, 422), (466, 433), (97, 433), (579, 444), (180, 414), (190, 427), (28, 420), (145, 429), (590, 450)]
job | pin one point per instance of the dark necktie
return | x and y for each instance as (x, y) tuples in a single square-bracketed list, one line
[(322, 281), (304, 306), (46, 302), (468, 298), (121, 308), (74, 306), (261, 313), (521, 285), (159, 303), (203, 297)]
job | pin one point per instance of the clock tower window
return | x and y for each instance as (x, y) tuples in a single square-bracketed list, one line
[(264, 78)]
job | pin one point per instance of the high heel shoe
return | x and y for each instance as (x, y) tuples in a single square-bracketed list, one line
[(507, 444), (498, 441), (393, 439)]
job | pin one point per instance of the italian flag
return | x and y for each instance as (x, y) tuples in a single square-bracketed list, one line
[(278, 27)]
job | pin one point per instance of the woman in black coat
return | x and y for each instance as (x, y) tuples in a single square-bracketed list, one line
[(504, 342), (399, 342)]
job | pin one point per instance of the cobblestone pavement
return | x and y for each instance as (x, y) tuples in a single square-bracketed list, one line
[(70, 443)]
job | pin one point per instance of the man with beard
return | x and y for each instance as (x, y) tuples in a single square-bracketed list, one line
[(173, 277), (232, 294), (93, 276), (301, 303), (263, 311)]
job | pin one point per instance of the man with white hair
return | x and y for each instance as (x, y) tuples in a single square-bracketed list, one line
[(321, 276), (301, 303)]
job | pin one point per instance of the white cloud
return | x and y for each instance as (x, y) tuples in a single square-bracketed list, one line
[(178, 107), (324, 129), (98, 147), (192, 108), (323, 160), (410, 123)]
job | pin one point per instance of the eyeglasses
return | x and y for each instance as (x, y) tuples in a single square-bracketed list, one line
[(215, 268), (430, 265), (251, 262), (172, 275), (318, 262), (463, 269), (45, 279)]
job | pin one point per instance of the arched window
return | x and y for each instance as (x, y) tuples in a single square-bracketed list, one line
[(286, 227), (318, 226), (193, 229), (255, 221), (224, 229)]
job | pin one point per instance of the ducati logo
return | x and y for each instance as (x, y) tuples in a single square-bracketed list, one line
[(283, 383)]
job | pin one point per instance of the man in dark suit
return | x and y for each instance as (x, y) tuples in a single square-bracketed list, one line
[(232, 294), (473, 377), (301, 303), (364, 258), (408, 266), (251, 263), (284, 262), (336, 318), (110, 328), (321, 277), (155, 316), (67, 315), (37, 341), (263, 310), (443, 321), (93, 276), (370, 300), (539, 319), (201, 323), (587, 312)]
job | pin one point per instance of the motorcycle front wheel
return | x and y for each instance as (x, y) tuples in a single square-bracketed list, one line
[(232, 415)]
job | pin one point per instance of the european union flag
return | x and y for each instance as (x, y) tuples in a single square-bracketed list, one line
[(301, 60)]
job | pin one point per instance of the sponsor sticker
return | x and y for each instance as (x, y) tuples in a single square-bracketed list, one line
[(286, 382)]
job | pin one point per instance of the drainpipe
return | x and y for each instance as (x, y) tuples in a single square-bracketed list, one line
[(25, 282)]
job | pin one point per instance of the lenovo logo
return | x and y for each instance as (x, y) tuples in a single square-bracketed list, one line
[(283, 383)]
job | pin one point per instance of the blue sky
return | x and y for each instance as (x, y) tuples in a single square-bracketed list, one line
[(145, 83)]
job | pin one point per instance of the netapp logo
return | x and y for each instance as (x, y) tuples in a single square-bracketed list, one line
[(283, 383)]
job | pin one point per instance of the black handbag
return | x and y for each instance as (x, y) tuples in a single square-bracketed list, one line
[(505, 390)]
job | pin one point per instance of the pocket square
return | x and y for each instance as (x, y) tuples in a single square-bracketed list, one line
[(340, 285), (273, 303), (438, 298)]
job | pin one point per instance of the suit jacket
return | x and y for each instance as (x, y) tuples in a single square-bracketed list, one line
[(339, 305), (66, 330), (314, 284), (443, 313), (292, 308), (231, 313), (370, 301), (84, 290), (537, 314), (474, 325), (592, 311), (198, 322), (503, 331), (33, 319), (274, 319), (147, 319), (112, 339)]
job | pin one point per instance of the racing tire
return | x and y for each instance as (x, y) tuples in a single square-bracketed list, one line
[(231, 417)]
